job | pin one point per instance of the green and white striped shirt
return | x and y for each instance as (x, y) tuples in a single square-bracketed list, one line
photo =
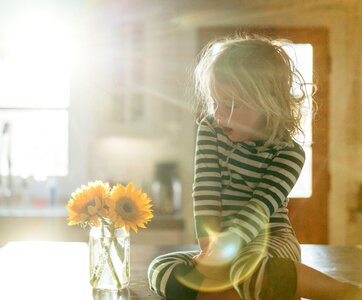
[(242, 187)]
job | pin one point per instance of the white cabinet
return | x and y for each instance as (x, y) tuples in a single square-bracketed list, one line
[(142, 100)]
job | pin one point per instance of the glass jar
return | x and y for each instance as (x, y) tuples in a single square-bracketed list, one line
[(109, 254)]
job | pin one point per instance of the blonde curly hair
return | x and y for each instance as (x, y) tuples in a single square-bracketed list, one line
[(258, 73)]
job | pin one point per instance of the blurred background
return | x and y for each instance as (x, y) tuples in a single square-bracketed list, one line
[(101, 90)]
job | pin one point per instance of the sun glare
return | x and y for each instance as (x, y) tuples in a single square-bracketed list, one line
[(38, 51)]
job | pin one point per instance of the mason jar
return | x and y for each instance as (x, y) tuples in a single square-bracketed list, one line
[(109, 254)]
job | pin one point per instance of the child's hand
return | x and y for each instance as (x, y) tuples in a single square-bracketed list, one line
[(204, 243), (222, 248), (209, 264), (199, 257), (215, 259)]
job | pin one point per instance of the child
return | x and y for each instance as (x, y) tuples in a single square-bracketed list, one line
[(246, 164)]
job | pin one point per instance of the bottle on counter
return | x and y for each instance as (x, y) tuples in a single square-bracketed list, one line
[(166, 189)]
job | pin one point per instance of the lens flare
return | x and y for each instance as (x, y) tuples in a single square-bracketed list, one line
[(226, 263)]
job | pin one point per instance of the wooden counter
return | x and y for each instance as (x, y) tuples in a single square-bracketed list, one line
[(56, 270)]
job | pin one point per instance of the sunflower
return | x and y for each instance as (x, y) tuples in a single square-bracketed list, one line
[(88, 203), (129, 207)]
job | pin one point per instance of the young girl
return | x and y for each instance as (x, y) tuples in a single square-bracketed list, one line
[(246, 164)]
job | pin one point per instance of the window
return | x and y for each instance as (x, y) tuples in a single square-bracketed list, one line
[(34, 98), (302, 56)]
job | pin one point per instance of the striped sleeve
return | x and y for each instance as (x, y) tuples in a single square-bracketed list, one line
[(207, 182), (270, 194)]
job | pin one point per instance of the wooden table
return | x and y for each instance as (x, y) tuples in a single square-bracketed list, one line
[(56, 270)]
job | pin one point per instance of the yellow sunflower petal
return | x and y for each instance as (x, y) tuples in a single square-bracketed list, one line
[(130, 187), (95, 221), (141, 225), (119, 188), (138, 192), (134, 227), (92, 210)]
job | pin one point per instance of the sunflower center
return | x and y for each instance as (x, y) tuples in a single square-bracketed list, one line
[(124, 206), (92, 202), (127, 208)]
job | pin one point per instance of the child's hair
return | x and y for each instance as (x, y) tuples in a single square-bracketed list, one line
[(256, 71)]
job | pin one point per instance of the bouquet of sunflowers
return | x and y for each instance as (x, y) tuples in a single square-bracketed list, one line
[(111, 213)]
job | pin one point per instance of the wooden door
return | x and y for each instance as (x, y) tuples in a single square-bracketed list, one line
[(309, 216)]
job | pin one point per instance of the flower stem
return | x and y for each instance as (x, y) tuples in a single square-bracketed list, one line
[(119, 249), (113, 271), (98, 270), (106, 247)]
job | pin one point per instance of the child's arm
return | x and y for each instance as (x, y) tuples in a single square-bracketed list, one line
[(270, 194), (207, 185)]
